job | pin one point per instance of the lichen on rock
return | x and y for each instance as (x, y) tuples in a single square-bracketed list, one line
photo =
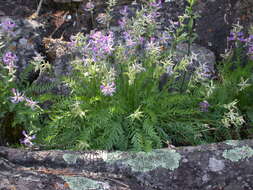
[(70, 158), (216, 165), (238, 153), (148, 161), (82, 183), (232, 142)]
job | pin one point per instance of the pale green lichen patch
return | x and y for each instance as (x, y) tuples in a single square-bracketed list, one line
[(232, 142), (82, 183), (113, 156), (238, 153), (70, 158), (147, 161)]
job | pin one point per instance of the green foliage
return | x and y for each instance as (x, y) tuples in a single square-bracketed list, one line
[(14, 116), (115, 101), (138, 115)]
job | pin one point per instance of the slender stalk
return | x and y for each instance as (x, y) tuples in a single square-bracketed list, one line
[(39, 7)]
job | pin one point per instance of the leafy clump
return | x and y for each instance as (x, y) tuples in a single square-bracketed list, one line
[(131, 93)]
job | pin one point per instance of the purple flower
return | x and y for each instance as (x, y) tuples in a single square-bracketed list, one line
[(231, 36), (27, 141), (108, 89), (153, 45), (250, 50), (10, 58), (8, 25), (153, 15), (18, 97), (241, 39), (128, 39), (204, 106), (250, 38), (240, 34), (124, 11), (100, 44), (122, 22), (72, 42), (237, 36), (31, 103), (89, 6), (156, 4), (165, 37)]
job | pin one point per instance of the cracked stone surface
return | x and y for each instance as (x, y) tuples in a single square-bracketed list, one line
[(226, 166)]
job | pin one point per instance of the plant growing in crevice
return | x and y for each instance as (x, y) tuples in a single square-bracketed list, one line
[(18, 112)]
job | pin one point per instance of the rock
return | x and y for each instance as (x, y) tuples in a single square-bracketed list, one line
[(213, 26), (206, 167), (24, 40)]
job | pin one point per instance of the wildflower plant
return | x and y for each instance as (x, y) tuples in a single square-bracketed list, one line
[(115, 100), (16, 109), (127, 90)]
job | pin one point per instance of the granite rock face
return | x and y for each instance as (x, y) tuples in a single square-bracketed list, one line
[(225, 165)]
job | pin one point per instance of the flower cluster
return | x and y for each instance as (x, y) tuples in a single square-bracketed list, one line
[(108, 89), (27, 141), (129, 41), (101, 44), (239, 36), (236, 36), (9, 60), (19, 97)]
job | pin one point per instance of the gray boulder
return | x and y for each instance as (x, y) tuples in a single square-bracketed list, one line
[(225, 165)]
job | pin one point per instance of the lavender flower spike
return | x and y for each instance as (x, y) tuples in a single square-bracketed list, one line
[(27, 141)]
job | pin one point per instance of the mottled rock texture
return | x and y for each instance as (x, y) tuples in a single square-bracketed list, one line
[(226, 165), (215, 22)]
